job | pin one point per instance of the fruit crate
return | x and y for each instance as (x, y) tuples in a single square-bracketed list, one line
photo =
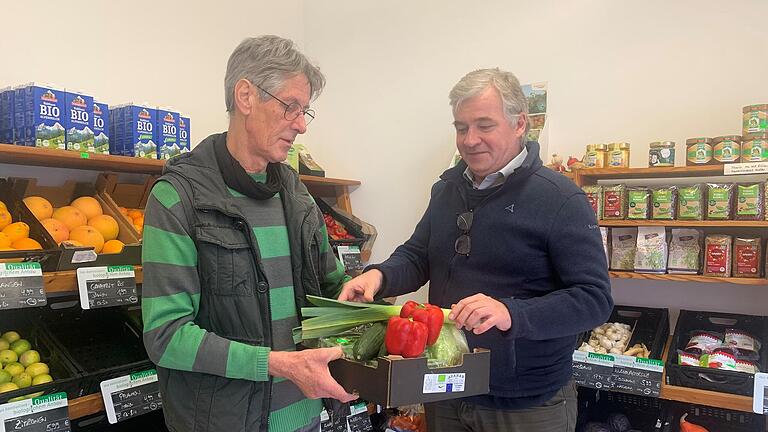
[(354, 228), (65, 376), (713, 419), (50, 255), (645, 414), (125, 195), (100, 343), (150, 422), (724, 381), (72, 258), (650, 326)]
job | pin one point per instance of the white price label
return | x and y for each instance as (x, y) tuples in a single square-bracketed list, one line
[(760, 400), (746, 168), (444, 383), (131, 395)]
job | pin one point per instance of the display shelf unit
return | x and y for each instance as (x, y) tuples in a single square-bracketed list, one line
[(86, 405), (586, 177)]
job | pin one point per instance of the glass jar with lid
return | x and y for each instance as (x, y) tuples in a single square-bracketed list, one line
[(595, 157), (699, 151), (661, 154), (618, 155)]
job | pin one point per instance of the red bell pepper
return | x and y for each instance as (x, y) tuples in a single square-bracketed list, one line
[(407, 310), (405, 337), (432, 317)]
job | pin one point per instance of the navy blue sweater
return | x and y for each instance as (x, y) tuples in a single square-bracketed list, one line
[(536, 247)]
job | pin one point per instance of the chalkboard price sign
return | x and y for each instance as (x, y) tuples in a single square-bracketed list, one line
[(638, 376), (593, 370), (131, 395), (47, 413), (21, 285), (107, 286)]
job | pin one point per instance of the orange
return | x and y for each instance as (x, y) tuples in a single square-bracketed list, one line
[(70, 216), (26, 244), (112, 246), (5, 242), (17, 230), (40, 207), (133, 213), (5, 218), (88, 236), (56, 229), (123, 211), (139, 228), (139, 221), (90, 206), (106, 225), (3, 206)]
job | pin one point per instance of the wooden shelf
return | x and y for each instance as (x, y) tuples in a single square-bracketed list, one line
[(85, 406), (20, 155), (687, 278), (685, 223), (66, 281), (633, 173)]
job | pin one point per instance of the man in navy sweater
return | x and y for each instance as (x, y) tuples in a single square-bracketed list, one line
[(514, 249)]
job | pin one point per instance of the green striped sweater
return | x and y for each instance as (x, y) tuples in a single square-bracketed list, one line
[(171, 300)]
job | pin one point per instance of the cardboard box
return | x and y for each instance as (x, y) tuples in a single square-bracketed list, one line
[(101, 128), (398, 381), (76, 257), (78, 122)]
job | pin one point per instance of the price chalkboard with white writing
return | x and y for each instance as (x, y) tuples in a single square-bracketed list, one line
[(107, 286), (21, 285), (48, 413), (131, 395)]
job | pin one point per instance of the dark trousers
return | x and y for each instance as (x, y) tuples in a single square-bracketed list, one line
[(556, 415)]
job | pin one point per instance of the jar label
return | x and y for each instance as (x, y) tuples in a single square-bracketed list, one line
[(756, 122), (699, 153), (754, 151), (727, 151)]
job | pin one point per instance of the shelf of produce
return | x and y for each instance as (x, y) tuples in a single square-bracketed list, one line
[(85, 406), (66, 281), (685, 223), (687, 278), (702, 397), (589, 176)]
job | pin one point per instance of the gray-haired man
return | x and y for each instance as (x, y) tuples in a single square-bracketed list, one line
[(233, 242), (513, 248)]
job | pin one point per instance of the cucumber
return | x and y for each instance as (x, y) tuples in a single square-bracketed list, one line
[(370, 342)]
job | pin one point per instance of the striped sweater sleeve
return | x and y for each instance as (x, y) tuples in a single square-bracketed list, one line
[(333, 277), (171, 300)]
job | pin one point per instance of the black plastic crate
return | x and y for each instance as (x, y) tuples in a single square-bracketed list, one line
[(645, 414), (65, 375), (150, 422), (99, 342), (353, 228), (713, 419), (715, 379), (51, 253), (650, 327)]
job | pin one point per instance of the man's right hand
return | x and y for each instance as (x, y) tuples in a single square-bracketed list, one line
[(362, 288), (308, 369)]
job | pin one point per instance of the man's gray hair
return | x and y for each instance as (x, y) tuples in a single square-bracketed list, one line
[(268, 61), (472, 84)]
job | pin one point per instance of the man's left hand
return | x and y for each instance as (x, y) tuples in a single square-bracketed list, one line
[(479, 313)]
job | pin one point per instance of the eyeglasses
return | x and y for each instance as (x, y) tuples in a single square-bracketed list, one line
[(293, 109), (463, 244)]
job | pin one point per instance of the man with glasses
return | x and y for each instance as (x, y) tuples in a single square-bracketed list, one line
[(233, 243), (514, 249)]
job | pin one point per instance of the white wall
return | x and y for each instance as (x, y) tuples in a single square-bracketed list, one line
[(617, 71), (170, 53)]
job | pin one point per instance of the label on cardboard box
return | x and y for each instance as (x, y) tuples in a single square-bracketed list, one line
[(444, 383)]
